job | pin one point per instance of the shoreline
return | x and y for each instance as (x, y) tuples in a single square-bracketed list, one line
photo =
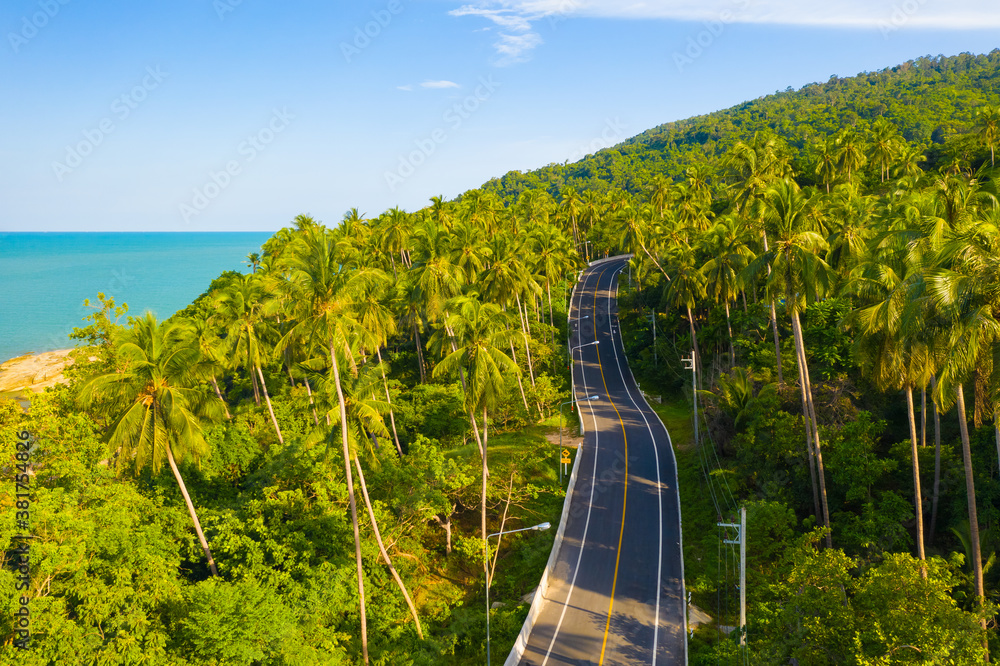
[(33, 373)]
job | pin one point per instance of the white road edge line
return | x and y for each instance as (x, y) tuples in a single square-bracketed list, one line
[(590, 503), (680, 525), (659, 484)]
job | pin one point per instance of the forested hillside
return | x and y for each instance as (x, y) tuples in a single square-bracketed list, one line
[(302, 466), (930, 100)]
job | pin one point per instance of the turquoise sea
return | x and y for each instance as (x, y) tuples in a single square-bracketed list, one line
[(44, 278)]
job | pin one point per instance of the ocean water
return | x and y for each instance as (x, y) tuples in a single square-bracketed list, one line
[(44, 278)]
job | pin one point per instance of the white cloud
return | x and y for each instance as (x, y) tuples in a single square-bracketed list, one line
[(439, 84), (516, 48), (519, 15), (407, 87)]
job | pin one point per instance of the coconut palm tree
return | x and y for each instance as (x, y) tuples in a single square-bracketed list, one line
[(727, 243), (152, 408), (483, 333), (684, 291), (327, 291), (800, 275), (240, 312), (987, 121)]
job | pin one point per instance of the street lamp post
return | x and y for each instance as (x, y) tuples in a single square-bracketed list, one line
[(572, 377), (568, 402), (486, 552)]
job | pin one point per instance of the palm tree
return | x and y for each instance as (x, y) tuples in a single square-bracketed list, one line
[(483, 332), (240, 311), (364, 423), (988, 128), (800, 275), (327, 290), (377, 325), (851, 154), (728, 245), (253, 261), (151, 407), (885, 145), (684, 290)]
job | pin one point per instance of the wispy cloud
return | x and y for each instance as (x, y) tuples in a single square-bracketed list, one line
[(439, 84), (517, 17), (408, 87)]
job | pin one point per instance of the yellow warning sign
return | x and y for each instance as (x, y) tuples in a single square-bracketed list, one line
[(565, 457), (565, 453)]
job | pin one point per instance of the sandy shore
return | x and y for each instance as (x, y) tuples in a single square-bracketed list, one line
[(34, 372)]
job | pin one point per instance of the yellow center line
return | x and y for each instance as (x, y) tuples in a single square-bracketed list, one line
[(614, 582)]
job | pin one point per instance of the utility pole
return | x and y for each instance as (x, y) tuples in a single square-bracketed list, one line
[(690, 364), (741, 539)]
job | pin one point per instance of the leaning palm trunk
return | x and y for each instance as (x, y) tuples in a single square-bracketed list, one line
[(191, 512), (486, 549), (311, 402), (801, 351), (810, 450), (729, 327), (392, 417), (523, 316), (354, 507), (420, 353), (552, 321), (520, 384), (774, 320), (970, 491), (218, 394), (917, 498), (381, 547), (270, 409), (937, 460)]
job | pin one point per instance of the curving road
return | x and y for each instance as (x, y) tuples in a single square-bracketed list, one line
[(614, 592)]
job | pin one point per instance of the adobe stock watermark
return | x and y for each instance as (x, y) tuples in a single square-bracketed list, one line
[(122, 107), (704, 39), (223, 7), (561, 11), (613, 133), (37, 21), (363, 35), (454, 117), (248, 149), (901, 15)]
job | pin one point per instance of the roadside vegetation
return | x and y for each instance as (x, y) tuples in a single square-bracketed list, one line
[(300, 466)]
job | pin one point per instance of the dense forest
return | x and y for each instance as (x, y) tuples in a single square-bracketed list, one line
[(302, 465)]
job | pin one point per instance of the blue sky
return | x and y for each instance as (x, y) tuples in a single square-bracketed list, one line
[(216, 115)]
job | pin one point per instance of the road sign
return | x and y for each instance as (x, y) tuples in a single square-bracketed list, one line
[(565, 457)]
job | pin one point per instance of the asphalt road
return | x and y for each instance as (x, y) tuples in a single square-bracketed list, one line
[(616, 592)]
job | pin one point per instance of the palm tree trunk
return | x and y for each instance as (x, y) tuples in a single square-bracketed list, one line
[(970, 491), (392, 417), (524, 333), (486, 561), (461, 378), (381, 547), (270, 409), (917, 498), (353, 504), (774, 320), (311, 403), (218, 393), (810, 450), (937, 461), (923, 416), (420, 353), (820, 472), (253, 380), (191, 512), (732, 349), (520, 384), (552, 320)]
